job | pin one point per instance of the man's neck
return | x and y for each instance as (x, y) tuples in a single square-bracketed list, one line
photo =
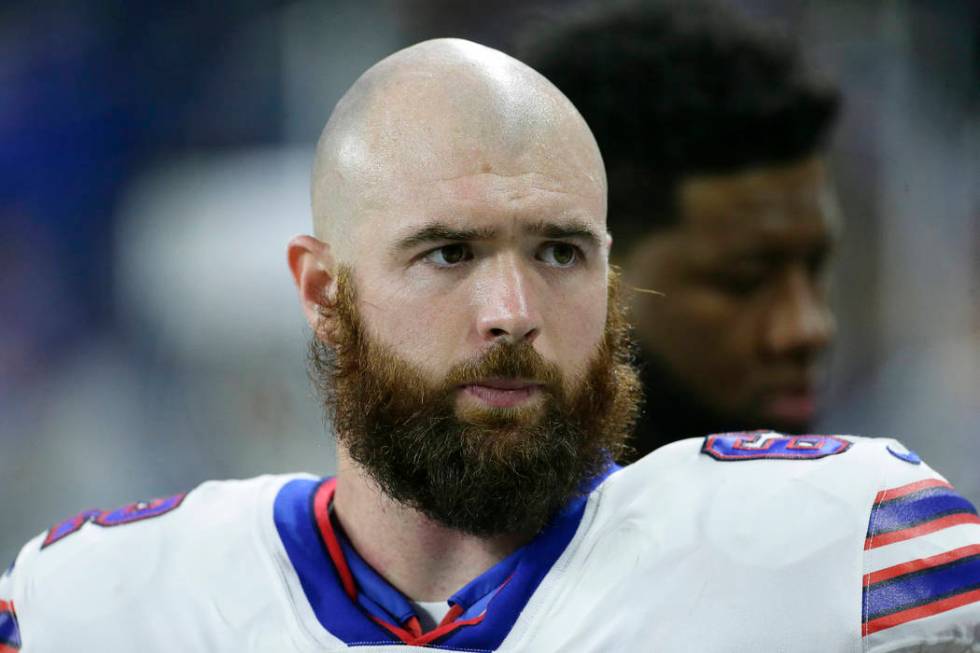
[(672, 412), (423, 559), (669, 412)]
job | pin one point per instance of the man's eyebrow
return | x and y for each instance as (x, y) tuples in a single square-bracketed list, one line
[(768, 252), (565, 229), (439, 232)]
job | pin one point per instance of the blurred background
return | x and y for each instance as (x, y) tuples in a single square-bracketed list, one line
[(155, 160)]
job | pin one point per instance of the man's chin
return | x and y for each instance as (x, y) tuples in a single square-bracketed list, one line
[(502, 419), (474, 410), (791, 413)]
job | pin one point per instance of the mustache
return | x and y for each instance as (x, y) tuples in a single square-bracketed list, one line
[(508, 360)]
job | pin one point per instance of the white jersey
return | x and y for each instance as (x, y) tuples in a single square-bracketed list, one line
[(737, 542)]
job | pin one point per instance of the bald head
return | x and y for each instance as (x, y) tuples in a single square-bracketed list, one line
[(441, 110)]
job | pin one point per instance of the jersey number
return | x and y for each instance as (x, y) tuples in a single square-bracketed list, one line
[(755, 445), (126, 515)]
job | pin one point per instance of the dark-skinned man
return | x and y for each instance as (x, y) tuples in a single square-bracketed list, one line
[(713, 132)]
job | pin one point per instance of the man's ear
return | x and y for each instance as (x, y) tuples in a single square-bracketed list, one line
[(312, 265)]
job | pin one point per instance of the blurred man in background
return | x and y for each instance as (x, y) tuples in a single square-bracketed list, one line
[(713, 134)]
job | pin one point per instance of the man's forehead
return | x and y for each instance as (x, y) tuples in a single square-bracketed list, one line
[(466, 153), (777, 212), (516, 183), (479, 105), (488, 205), (443, 124), (754, 236), (760, 203), (753, 190)]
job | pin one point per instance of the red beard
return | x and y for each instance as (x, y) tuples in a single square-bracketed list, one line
[(484, 472)]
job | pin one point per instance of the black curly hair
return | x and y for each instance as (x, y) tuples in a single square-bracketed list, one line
[(673, 89)]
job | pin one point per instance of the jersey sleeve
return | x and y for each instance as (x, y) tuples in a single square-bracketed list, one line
[(11, 598), (61, 568), (921, 578)]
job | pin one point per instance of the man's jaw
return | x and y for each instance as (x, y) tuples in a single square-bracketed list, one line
[(793, 401)]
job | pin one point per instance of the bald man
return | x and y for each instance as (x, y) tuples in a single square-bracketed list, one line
[(471, 353)]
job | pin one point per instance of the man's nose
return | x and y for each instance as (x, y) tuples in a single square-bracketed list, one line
[(800, 322), (507, 306)]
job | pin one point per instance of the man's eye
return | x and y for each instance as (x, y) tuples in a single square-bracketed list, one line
[(559, 255), (449, 255), (742, 284), (816, 263), (741, 280)]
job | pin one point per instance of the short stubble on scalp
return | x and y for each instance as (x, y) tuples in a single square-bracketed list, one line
[(429, 109)]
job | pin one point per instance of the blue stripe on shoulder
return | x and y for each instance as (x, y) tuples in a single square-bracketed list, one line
[(921, 588), (918, 508)]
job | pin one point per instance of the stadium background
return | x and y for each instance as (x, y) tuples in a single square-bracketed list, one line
[(155, 159)]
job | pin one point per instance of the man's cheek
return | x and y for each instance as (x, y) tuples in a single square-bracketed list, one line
[(408, 329), (578, 350)]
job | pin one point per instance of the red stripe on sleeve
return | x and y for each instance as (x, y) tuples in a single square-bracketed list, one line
[(920, 612), (920, 564), (901, 491), (7, 606), (874, 541), (8, 649)]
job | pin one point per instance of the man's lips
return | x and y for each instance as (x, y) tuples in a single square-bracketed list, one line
[(502, 393), (795, 406)]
